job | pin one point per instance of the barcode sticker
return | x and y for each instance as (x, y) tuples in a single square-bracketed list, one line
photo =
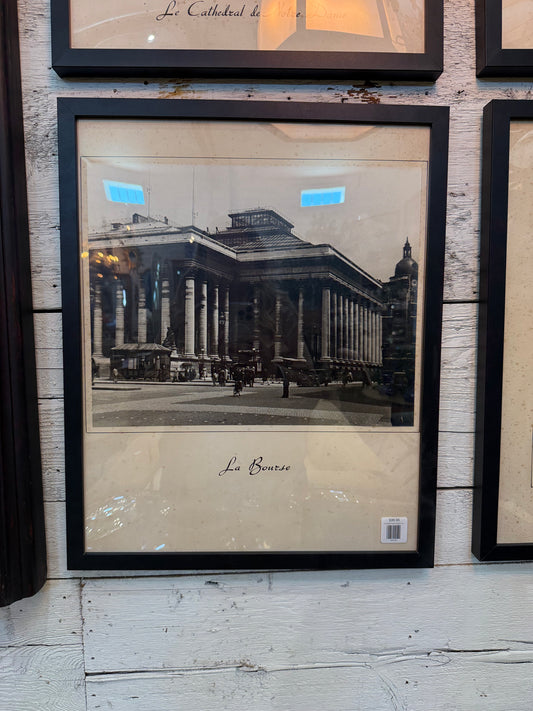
[(394, 529)]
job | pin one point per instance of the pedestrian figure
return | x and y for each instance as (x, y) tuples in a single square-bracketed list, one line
[(237, 388), (115, 375), (222, 377), (286, 382)]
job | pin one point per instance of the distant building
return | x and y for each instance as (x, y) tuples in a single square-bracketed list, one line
[(399, 323), (252, 290)]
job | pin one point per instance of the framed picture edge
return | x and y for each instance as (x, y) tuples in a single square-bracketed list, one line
[(497, 116), (492, 61), (81, 62), (437, 117)]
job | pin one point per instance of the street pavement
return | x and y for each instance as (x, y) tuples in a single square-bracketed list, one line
[(199, 403)]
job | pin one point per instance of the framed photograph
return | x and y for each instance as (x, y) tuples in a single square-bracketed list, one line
[(252, 310), (503, 495), (381, 39), (504, 38)]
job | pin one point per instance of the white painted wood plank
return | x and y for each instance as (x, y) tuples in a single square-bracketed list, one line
[(48, 339), (436, 681), (51, 617), (456, 459), (50, 383), (287, 619), (459, 325), (42, 678), (52, 437), (457, 404), (453, 538)]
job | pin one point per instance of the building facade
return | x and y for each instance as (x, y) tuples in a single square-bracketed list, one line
[(253, 291)]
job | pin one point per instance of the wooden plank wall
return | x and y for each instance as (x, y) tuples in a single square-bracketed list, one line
[(459, 636)]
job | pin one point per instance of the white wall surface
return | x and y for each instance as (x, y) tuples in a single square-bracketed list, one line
[(457, 637)]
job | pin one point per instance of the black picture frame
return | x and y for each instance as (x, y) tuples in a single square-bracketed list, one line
[(72, 110), (497, 117), (23, 549), (492, 60), (425, 66)]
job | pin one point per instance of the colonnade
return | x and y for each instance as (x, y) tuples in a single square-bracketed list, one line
[(351, 327), (351, 324), (213, 328), (205, 331)]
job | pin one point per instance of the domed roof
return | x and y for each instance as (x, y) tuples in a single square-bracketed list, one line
[(406, 266)]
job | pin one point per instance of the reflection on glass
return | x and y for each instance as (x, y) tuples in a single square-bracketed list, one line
[(318, 25), (295, 24)]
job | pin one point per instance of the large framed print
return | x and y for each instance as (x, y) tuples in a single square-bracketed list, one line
[(381, 39), (504, 38), (252, 309), (503, 496)]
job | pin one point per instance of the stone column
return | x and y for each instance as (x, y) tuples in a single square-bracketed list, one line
[(225, 345), (214, 325), (189, 317), (350, 330), (119, 314), (165, 308), (356, 330), (326, 306), (141, 317), (375, 337), (361, 332), (256, 334), (277, 327), (234, 328), (202, 320), (97, 321), (300, 331), (340, 352), (366, 334), (335, 324), (380, 339), (346, 324), (370, 335)]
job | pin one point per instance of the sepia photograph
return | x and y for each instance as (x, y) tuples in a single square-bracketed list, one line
[(257, 292)]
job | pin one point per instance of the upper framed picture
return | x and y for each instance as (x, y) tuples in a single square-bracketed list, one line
[(504, 38), (381, 39), (252, 310), (503, 496)]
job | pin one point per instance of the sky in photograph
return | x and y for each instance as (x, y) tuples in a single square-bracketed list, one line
[(382, 205)]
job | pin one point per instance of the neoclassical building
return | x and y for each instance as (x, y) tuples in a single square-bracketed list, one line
[(253, 290)]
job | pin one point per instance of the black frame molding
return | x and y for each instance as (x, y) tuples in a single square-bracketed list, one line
[(70, 110), (22, 548), (497, 116), (69, 62), (491, 59)]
